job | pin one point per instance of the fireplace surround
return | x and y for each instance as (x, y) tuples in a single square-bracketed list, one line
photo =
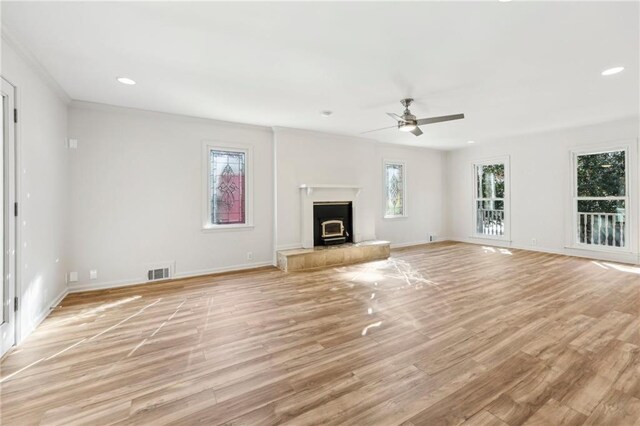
[(318, 193), (346, 221)]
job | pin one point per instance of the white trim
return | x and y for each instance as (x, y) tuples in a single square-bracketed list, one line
[(292, 246), (490, 238), (207, 147), (10, 158), (190, 274), (583, 254), (310, 188), (502, 244), (413, 243), (328, 185), (599, 247), (233, 268), (231, 227), (45, 313), (506, 160), (274, 228), (19, 267), (405, 213)]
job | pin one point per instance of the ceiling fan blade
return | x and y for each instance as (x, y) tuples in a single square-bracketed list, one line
[(440, 119), (417, 131), (384, 128), (396, 117)]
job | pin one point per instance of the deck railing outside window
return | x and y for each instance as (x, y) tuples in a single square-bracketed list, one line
[(490, 222), (606, 229)]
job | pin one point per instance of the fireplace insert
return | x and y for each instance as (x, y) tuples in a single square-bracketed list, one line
[(332, 223)]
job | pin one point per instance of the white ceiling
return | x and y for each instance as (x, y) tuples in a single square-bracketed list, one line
[(512, 68)]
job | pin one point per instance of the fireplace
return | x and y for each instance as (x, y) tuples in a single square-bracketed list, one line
[(332, 222)]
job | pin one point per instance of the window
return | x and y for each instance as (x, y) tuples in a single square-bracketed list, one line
[(227, 187), (394, 189), (601, 199), (490, 199)]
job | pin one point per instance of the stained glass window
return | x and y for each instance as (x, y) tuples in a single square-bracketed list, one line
[(394, 189), (227, 187)]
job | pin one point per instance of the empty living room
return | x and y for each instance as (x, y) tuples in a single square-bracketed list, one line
[(320, 213)]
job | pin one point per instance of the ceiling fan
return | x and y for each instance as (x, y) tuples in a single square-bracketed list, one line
[(408, 122)]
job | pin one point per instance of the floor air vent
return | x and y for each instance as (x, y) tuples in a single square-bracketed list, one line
[(158, 274)]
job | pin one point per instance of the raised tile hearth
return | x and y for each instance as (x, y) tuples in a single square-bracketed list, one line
[(344, 254)]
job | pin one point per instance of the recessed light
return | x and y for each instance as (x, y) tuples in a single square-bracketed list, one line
[(326, 113), (126, 80), (612, 71), (471, 141), (504, 1)]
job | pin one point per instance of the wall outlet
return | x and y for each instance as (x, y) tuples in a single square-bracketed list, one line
[(73, 277), (93, 274), (249, 255), (432, 238), (534, 242), (73, 143)]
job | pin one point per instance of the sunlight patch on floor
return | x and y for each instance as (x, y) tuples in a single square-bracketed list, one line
[(599, 264), (366, 329), (623, 268)]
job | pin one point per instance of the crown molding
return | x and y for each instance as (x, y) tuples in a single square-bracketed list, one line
[(34, 64)]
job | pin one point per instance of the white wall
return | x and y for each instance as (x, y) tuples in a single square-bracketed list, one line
[(540, 185), (136, 184), (305, 157), (425, 195), (43, 186)]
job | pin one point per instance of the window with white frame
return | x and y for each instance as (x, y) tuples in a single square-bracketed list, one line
[(601, 199), (227, 186), (490, 198), (394, 189)]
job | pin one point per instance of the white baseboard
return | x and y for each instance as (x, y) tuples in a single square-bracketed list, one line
[(409, 244), (586, 254), (41, 317), (59, 299), (52, 305), (289, 247), (190, 274), (412, 243), (222, 269)]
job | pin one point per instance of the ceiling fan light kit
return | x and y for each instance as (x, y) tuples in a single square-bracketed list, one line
[(408, 122), (406, 127)]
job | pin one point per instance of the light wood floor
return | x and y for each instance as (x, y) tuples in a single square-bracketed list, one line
[(441, 334)]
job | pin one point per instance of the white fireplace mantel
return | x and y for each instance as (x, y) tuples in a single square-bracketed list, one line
[(311, 193), (311, 187)]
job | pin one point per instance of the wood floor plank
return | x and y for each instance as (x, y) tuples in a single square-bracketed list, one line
[(616, 409), (554, 413)]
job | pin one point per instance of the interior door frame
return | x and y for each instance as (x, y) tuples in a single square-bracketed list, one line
[(9, 331)]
